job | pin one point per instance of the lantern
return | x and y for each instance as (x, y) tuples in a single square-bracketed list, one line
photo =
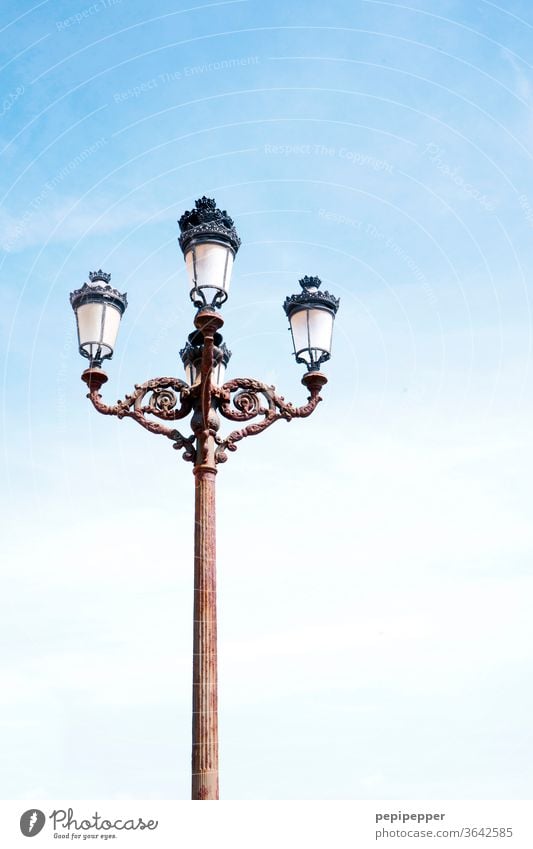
[(311, 314), (99, 309)]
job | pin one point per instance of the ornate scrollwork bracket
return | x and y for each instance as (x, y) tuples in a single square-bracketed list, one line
[(158, 397), (240, 400), (253, 399)]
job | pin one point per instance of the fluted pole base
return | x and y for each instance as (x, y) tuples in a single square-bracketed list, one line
[(204, 717)]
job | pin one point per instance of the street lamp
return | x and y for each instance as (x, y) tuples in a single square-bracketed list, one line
[(98, 309), (311, 315), (209, 243)]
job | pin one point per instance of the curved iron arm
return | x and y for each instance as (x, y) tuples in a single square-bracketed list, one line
[(240, 400), (163, 400), (249, 402)]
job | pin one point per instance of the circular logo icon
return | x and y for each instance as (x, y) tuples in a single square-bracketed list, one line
[(32, 822)]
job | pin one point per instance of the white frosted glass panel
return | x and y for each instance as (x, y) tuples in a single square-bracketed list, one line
[(111, 325), (90, 322), (300, 334), (209, 265), (311, 329), (191, 374), (189, 265), (218, 374), (320, 329), (229, 270), (96, 339)]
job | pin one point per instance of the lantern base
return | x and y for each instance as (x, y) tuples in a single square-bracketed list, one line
[(208, 321), (94, 378), (314, 380)]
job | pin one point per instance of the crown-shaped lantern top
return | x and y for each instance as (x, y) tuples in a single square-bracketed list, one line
[(311, 296), (308, 283), (99, 289), (99, 276), (206, 222)]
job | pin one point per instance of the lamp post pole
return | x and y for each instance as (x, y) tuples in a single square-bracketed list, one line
[(205, 424), (204, 675), (209, 243)]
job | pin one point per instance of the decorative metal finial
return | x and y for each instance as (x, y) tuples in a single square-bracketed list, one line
[(310, 283), (94, 276), (191, 354), (311, 296)]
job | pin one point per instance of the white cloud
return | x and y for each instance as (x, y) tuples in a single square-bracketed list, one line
[(67, 219)]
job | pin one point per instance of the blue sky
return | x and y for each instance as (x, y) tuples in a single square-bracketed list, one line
[(374, 560)]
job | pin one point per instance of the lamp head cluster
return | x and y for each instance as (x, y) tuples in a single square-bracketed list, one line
[(209, 242)]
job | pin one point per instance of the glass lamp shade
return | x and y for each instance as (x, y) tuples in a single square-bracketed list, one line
[(209, 243), (192, 374), (209, 266), (311, 315), (312, 329), (219, 374), (98, 325), (98, 308)]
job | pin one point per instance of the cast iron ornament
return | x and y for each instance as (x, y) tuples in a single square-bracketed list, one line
[(241, 400), (95, 293), (310, 297), (191, 354), (99, 275), (205, 221)]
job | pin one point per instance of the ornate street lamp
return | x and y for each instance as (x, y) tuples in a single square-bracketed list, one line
[(209, 242), (311, 315), (98, 309)]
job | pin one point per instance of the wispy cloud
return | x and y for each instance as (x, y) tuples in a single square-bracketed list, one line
[(522, 81), (67, 220)]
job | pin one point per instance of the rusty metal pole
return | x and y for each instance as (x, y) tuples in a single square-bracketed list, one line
[(205, 698), (204, 701)]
